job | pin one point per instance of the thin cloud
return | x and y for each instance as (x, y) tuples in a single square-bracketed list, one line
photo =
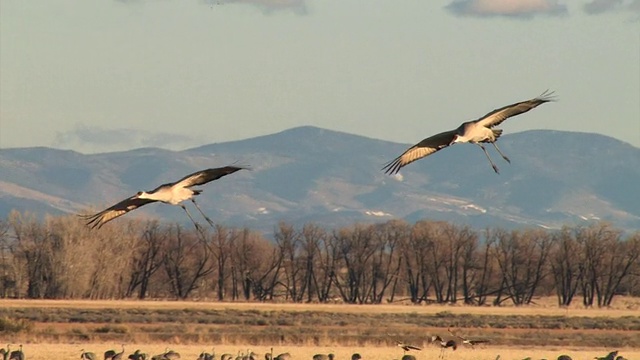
[(267, 6), (509, 8), (596, 7), (95, 139)]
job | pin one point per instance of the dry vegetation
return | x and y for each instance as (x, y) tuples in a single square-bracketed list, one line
[(72, 351), (300, 292), (392, 262), (65, 327)]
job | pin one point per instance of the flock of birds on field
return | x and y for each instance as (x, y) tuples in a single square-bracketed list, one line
[(477, 132), (7, 354), (168, 354)]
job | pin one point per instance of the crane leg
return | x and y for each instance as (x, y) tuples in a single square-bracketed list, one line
[(495, 168), (202, 213), (191, 217), (500, 152)]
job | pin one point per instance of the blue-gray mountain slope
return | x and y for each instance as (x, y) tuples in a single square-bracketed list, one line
[(308, 174)]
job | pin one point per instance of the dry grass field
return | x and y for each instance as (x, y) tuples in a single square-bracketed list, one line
[(59, 329), (622, 306), (72, 351)]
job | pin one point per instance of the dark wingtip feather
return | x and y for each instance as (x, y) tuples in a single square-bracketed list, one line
[(92, 220), (547, 96), (240, 166), (392, 167)]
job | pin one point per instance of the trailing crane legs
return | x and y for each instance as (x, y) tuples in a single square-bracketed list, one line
[(475, 132)]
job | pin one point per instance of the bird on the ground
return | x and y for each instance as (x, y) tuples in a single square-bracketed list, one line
[(466, 341), (408, 357), (356, 356), (240, 356), (108, 355), (323, 357), (120, 355), (137, 355), (207, 356), (476, 132), (4, 353), (17, 354), (171, 355), (171, 193), (444, 345), (283, 356), (87, 355), (564, 357), (226, 356), (610, 356), (166, 355)]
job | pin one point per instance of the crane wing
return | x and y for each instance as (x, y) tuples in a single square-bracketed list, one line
[(497, 116), (424, 148), (204, 176), (474, 342), (406, 347), (119, 209), (468, 341), (455, 335)]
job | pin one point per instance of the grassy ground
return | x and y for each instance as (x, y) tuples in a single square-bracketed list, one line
[(72, 351), (59, 329)]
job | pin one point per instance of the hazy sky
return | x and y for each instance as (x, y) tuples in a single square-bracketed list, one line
[(113, 75)]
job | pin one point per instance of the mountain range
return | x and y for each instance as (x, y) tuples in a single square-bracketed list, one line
[(307, 174)]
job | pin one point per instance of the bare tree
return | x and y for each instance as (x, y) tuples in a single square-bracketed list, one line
[(31, 248), (482, 287), (186, 261), (8, 277), (327, 265), (310, 238), (264, 277), (470, 263), (288, 242), (521, 257), (109, 259), (595, 242), (357, 247), (220, 245), (608, 260), (566, 266), (386, 263), (146, 258), (433, 233), (416, 254), (251, 259)]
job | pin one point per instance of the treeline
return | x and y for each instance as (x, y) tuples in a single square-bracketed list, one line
[(429, 261)]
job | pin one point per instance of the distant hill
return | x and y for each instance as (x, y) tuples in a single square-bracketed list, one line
[(307, 174)]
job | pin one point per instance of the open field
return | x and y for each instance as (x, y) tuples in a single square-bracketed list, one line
[(59, 329), (544, 307), (72, 351)]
